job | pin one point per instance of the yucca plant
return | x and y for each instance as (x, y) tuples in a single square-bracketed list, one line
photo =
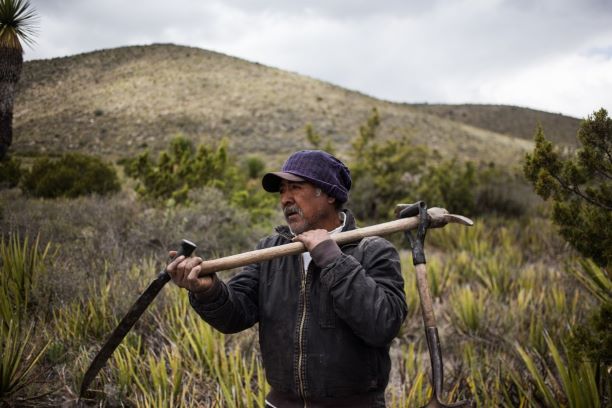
[(17, 358), (594, 278), (18, 22), (496, 276), (238, 375), (438, 276), (125, 362), (468, 310), (488, 379), (561, 381), (414, 389), (160, 380), (535, 334), (85, 318), (21, 265)]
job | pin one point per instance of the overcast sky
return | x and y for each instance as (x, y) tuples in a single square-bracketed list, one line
[(552, 55)]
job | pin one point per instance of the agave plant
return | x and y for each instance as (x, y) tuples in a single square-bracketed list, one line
[(18, 22), (16, 363), (564, 382)]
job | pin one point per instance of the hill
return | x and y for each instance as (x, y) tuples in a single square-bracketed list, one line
[(118, 102), (509, 120)]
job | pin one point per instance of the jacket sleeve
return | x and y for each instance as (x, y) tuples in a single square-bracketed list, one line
[(369, 296), (234, 306)]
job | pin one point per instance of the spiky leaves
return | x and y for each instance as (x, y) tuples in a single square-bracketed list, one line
[(18, 23)]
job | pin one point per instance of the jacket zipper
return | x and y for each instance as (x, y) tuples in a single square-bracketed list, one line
[(301, 335)]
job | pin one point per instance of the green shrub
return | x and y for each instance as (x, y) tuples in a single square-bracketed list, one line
[(10, 173), (71, 175), (383, 173), (315, 140), (579, 184), (504, 192), (253, 166), (451, 185), (180, 169), (388, 172)]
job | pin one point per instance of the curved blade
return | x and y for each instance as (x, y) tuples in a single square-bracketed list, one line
[(122, 330), (137, 309)]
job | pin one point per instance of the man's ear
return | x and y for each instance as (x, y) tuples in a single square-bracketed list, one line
[(331, 199)]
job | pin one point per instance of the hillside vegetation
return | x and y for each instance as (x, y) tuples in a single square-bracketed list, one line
[(120, 101), (509, 120)]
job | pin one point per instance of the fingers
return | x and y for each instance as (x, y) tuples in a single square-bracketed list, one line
[(172, 266), (312, 238), (180, 270), (198, 283)]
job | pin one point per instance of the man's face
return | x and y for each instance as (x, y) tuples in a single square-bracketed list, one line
[(306, 207)]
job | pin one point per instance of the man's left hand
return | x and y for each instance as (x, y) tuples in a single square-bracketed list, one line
[(312, 238)]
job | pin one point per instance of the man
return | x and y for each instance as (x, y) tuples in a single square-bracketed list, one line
[(326, 317)]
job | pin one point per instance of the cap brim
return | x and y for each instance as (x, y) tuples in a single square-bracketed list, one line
[(271, 181)]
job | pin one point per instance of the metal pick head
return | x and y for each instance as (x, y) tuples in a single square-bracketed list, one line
[(459, 219)]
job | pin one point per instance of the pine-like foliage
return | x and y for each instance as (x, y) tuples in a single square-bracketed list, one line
[(580, 185)]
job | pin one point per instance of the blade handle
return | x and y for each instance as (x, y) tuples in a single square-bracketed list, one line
[(187, 248)]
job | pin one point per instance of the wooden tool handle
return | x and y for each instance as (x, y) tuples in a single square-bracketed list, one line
[(426, 303), (439, 217)]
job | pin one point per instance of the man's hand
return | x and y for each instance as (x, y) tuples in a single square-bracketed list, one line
[(312, 238), (184, 273)]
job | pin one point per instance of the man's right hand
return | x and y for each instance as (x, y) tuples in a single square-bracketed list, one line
[(184, 273)]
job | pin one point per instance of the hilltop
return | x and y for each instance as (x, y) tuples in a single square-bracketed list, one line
[(118, 102)]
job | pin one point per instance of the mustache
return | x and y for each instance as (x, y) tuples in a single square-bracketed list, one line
[(292, 209)]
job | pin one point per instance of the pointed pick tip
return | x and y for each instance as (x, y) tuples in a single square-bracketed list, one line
[(459, 219)]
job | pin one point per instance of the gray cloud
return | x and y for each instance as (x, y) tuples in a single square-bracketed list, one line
[(436, 51)]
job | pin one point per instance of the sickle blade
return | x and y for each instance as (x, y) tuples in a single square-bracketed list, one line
[(122, 330), (129, 320)]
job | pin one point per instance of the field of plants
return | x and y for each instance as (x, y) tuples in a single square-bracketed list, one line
[(506, 295), (512, 298)]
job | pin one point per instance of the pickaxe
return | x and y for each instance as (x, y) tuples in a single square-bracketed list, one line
[(417, 242)]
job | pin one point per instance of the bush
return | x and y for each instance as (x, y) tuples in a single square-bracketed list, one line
[(10, 173), (181, 168), (72, 175), (383, 173), (451, 185), (254, 166), (99, 236), (579, 183), (388, 172)]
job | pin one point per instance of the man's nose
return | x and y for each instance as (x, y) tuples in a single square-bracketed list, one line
[(285, 198)]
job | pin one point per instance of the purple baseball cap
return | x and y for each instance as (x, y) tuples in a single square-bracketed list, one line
[(317, 167)]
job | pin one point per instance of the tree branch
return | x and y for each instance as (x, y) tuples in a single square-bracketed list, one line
[(580, 194), (603, 173)]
